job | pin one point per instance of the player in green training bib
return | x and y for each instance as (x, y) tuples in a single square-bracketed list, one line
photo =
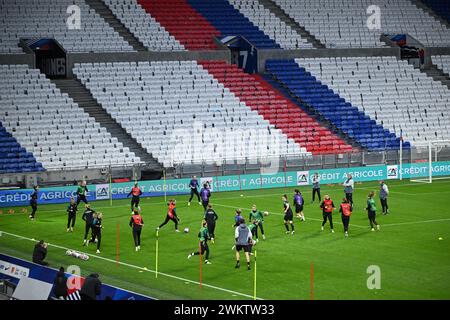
[(82, 192), (371, 211), (257, 218), (203, 236)]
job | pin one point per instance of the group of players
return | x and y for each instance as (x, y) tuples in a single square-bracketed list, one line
[(246, 234)]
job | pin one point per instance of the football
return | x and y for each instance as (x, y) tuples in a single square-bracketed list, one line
[(266, 213), (186, 230)]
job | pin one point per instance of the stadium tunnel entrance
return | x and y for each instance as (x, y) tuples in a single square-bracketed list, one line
[(243, 53), (50, 56)]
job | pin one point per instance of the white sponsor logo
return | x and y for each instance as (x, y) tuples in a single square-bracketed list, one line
[(13, 270), (102, 192), (302, 178), (392, 172)]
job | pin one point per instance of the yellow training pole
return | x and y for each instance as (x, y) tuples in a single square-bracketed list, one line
[(110, 190), (156, 253), (254, 281), (165, 186)]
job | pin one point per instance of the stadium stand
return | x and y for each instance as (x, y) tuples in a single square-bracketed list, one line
[(270, 24), (441, 7), (143, 26), (332, 107), (234, 24), (14, 158), (52, 127), (189, 27), (156, 101), (47, 18), (282, 113), (394, 93), (343, 23), (443, 62)]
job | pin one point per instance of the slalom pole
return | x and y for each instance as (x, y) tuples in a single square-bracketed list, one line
[(117, 243), (254, 280), (110, 190), (200, 255), (311, 282), (165, 186), (156, 254)]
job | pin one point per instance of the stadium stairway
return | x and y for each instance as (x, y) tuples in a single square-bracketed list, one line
[(103, 10), (188, 26), (234, 24), (274, 107), (283, 16), (13, 157), (437, 74), (346, 117), (85, 100)]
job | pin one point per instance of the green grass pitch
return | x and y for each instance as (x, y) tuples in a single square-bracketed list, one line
[(414, 262)]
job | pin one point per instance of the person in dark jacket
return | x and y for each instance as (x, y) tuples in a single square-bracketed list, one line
[(60, 284), (71, 215), (34, 202), (88, 218), (39, 253), (92, 287), (97, 230)]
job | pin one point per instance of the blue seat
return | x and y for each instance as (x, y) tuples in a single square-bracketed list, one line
[(332, 107), (235, 24), (13, 157)]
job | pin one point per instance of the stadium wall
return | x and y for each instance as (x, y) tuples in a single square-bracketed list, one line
[(264, 55), (73, 58), (14, 269), (21, 197), (27, 59)]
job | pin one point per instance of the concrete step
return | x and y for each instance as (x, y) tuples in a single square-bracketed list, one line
[(86, 101), (437, 74), (283, 16), (102, 9)]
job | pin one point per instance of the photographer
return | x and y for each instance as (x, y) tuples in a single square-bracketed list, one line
[(39, 253)]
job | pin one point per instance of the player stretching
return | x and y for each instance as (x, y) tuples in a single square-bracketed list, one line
[(328, 207), (211, 217), (243, 237), (193, 184), (34, 202), (171, 215), (257, 218), (203, 237), (288, 215), (136, 222), (81, 192), (298, 203), (346, 211), (205, 194), (136, 192), (71, 215), (371, 211)]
